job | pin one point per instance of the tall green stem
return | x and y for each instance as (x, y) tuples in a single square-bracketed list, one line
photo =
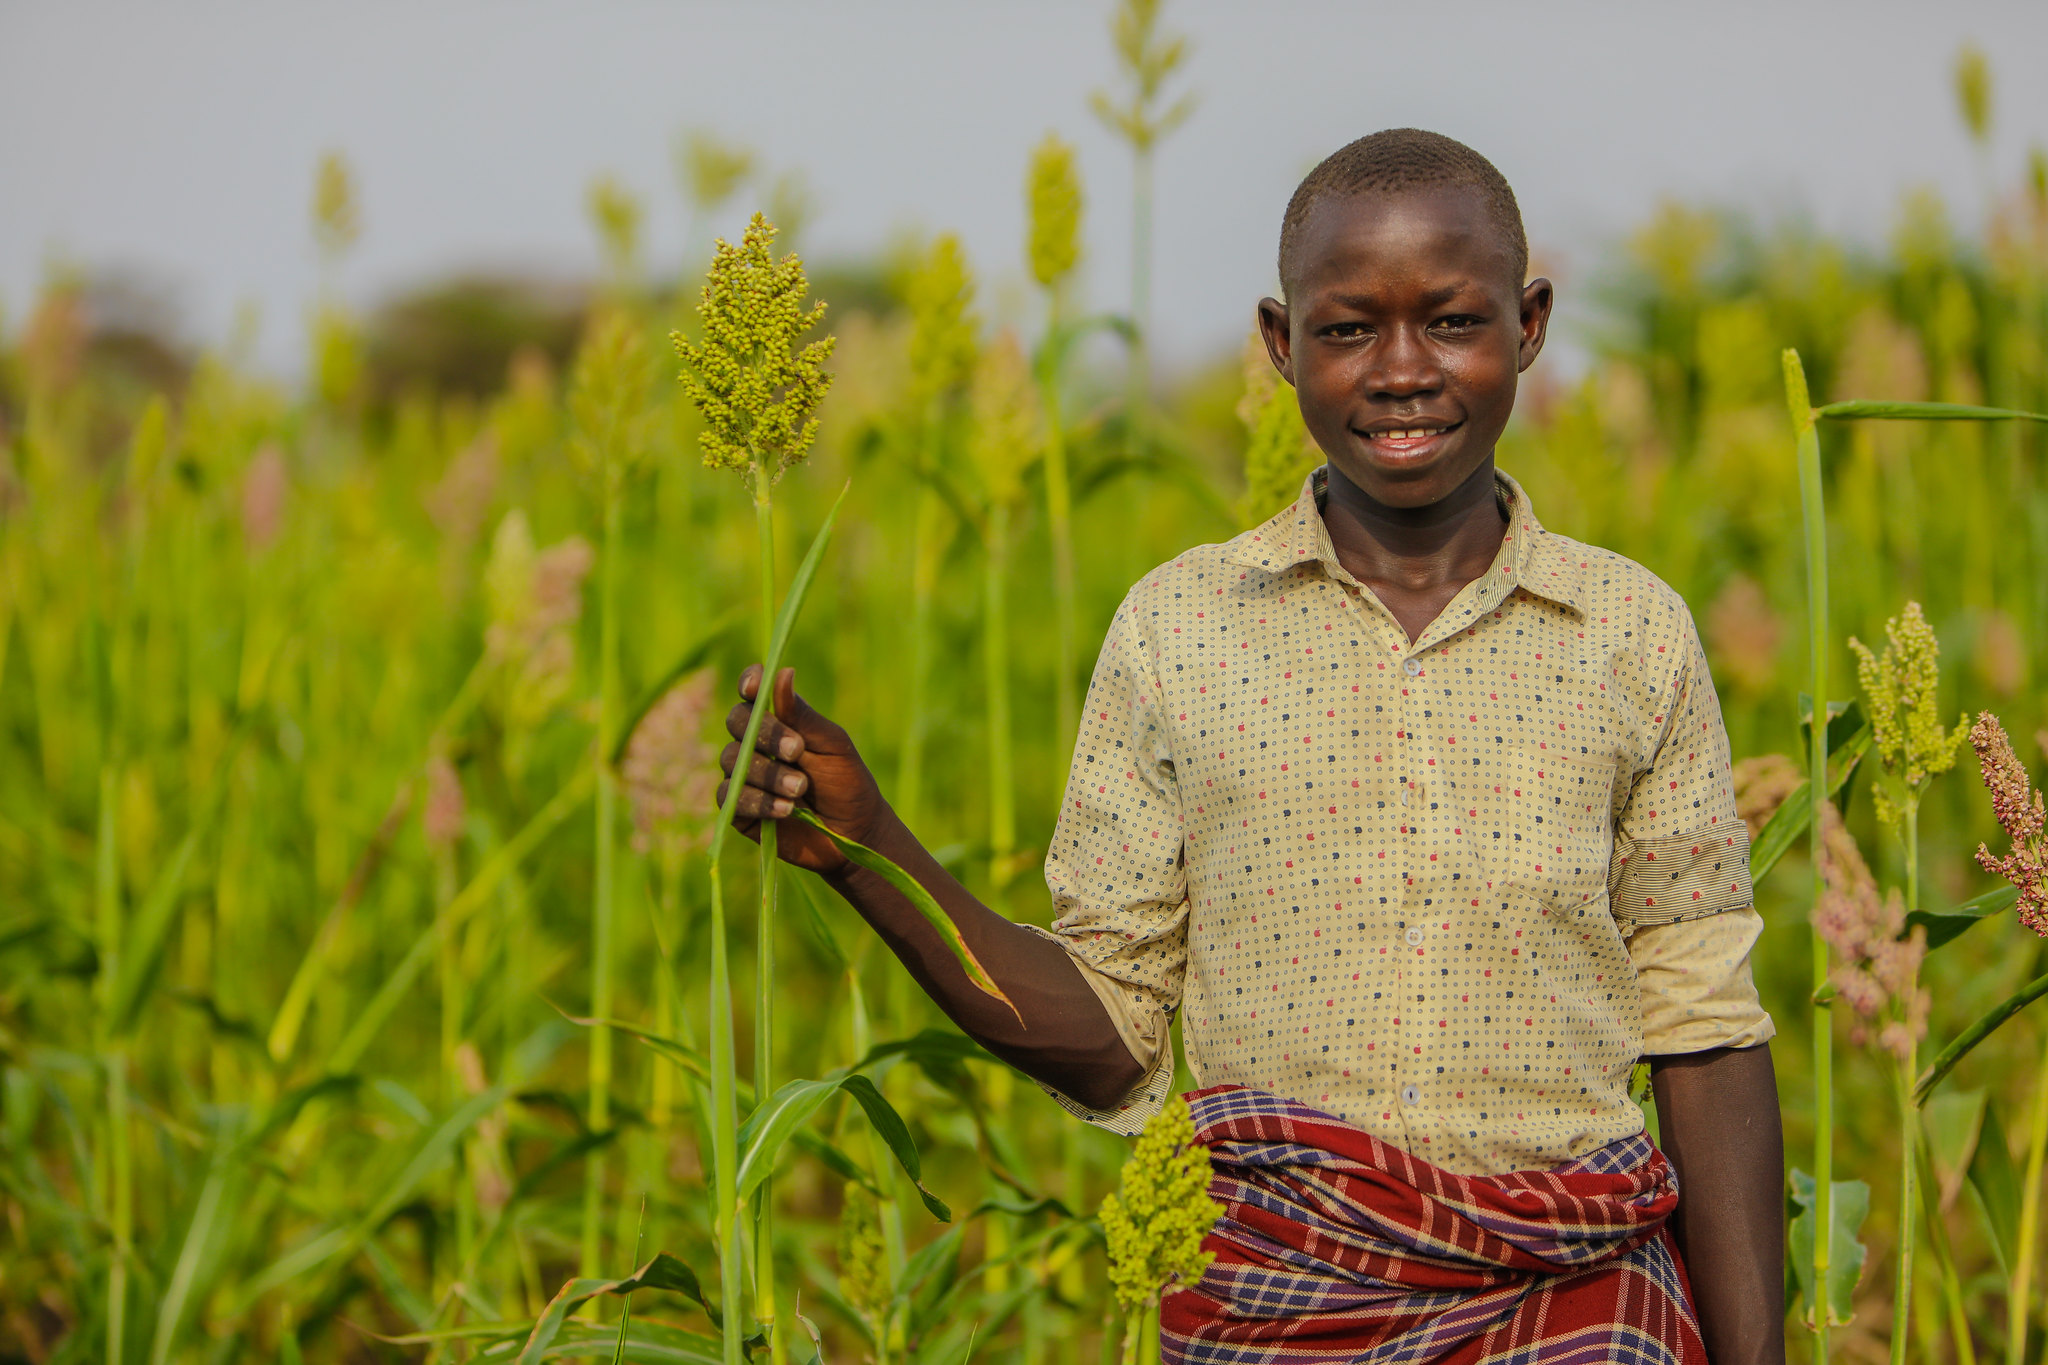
[(113, 1058), (925, 551), (1909, 1113), (1140, 397), (1059, 508), (2019, 1304), (764, 944), (1002, 795), (603, 908), (725, 1118), (1814, 517)]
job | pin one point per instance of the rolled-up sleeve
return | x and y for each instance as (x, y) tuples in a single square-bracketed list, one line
[(1116, 869), (1680, 850), (1696, 985), (1679, 884)]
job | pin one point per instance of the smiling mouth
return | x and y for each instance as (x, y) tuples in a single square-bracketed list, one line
[(1408, 440)]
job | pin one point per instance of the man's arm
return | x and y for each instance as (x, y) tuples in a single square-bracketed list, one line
[(1065, 1037), (1717, 1116)]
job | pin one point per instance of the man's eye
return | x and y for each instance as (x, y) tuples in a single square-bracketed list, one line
[(1457, 322), (1345, 329)]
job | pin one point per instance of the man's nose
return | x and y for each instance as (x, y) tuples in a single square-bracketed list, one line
[(1405, 367)]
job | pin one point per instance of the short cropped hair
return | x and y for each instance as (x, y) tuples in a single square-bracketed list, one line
[(1398, 159)]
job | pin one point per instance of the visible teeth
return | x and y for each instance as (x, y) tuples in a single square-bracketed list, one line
[(1413, 433)]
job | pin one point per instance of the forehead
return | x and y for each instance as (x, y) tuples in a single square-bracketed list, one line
[(1378, 235)]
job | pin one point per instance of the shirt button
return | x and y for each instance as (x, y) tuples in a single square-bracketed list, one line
[(1411, 667), (1411, 1094), (1415, 936)]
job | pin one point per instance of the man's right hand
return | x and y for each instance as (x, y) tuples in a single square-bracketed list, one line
[(800, 758)]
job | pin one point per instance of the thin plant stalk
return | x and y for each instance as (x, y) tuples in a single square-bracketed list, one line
[(1002, 796), (1945, 1261), (925, 551), (1909, 1112), (120, 1154), (1814, 519), (604, 909), (2019, 1303), (764, 944), (1059, 509)]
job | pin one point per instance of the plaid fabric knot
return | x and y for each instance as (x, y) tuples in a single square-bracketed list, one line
[(1336, 1246)]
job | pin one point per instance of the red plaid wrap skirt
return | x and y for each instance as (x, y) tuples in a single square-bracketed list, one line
[(1335, 1246)]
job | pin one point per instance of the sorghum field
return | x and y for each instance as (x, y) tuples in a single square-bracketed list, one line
[(359, 953)]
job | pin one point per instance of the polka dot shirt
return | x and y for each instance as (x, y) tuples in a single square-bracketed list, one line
[(1448, 890)]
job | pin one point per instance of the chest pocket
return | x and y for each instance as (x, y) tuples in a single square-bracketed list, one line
[(1541, 822)]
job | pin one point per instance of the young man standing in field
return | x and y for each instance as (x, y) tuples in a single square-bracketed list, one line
[(1419, 817)]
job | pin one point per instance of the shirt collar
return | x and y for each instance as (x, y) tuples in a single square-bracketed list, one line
[(1530, 557)]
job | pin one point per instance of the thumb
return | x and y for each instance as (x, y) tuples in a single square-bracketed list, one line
[(820, 735)]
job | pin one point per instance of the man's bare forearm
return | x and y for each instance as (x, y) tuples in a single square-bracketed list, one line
[(1065, 1037), (1717, 1114)]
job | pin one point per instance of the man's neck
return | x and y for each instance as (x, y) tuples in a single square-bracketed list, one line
[(1416, 558)]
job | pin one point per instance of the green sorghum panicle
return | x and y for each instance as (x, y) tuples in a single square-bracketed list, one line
[(1906, 729), (1005, 429), (337, 220), (711, 169), (757, 388), (534, 599), (863, 1254), (943, 325), (608, 395), (617, 216), (1054, 193), (1161, 1210), (1278, 453)]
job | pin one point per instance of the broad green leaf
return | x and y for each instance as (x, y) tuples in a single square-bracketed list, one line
[(1944, 926), (142, 949), (778, 638), (1789, 823), (776, 1122), (935, 915), (1848, 1206), (663, 1272), (646, 1343), (1952, 1121), (1994, 1019), (1995, 1185), (1864, 410)]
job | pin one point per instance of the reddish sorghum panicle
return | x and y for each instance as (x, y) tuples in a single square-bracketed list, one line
[(2018, 809), (264, 489), (667, 769), (1879, 963), (442, 814)]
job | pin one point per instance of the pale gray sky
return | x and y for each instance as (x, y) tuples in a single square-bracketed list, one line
[(180, 138)]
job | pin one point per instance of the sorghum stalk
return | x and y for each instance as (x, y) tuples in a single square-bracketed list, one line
[(1054, 196), (1814, 518), (1148, 59), (758, 391), (1900, 687), (764, 944), (608, 398), (2019, 1302), (1155, 1221)]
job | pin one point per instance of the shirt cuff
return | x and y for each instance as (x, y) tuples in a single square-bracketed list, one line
[(1148, 1035), (1696, 987)]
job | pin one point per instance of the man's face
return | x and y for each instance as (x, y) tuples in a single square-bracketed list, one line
[(1403, 335)]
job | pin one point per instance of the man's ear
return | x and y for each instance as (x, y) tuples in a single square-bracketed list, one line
[(1279, 341), (1536, 300)]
